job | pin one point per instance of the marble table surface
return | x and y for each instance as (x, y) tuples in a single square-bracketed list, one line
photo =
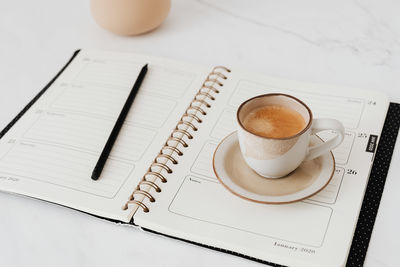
[(354, 43)]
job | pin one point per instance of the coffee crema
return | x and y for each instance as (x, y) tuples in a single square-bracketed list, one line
[(274, 121)]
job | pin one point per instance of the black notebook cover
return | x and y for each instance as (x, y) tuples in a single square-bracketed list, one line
[(372, 197)]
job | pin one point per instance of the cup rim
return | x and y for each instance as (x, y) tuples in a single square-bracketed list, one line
[(276, 138)]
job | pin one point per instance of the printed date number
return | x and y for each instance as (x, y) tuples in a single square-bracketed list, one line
[(307, 250)]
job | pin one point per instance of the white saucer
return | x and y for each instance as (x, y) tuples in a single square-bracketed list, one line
[(236, 176)]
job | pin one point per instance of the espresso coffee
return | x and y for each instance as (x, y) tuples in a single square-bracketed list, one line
[(274, 121)]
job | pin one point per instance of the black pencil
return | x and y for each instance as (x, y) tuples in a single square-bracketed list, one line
[(118, 125)]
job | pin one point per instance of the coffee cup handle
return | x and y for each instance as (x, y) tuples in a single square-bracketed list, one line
[(319, 125)]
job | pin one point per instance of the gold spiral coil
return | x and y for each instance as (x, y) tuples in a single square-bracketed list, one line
[(201, 93), (192, 116), (182, 122), (152, 184), (183, 129), (139, 203), (174, 161), (144, 193), (188, 135), (213, 80), (220, 67), (209, 87), (202, 102), (176, 139), (156, 174), (160, 165), (192, 107), (172, 148), (213, 75)]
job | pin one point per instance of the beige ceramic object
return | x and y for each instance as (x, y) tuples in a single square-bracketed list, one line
[(235, 175), (277, 157), (129, 17)]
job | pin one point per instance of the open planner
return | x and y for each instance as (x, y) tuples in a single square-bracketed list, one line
[(159, 174)]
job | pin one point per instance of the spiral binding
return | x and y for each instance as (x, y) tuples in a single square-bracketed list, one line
[(200, 102)]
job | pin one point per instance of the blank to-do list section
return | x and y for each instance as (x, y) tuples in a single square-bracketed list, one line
[(223, 209)]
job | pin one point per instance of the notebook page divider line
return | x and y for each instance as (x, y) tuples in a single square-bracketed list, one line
[(184, 128)]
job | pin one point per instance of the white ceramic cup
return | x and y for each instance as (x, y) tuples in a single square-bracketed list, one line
[(277, 157)]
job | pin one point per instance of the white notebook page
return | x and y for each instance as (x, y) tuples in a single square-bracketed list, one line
[(51, 151), (315, 232)]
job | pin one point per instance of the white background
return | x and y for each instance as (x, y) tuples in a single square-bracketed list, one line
[(339, 42)]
